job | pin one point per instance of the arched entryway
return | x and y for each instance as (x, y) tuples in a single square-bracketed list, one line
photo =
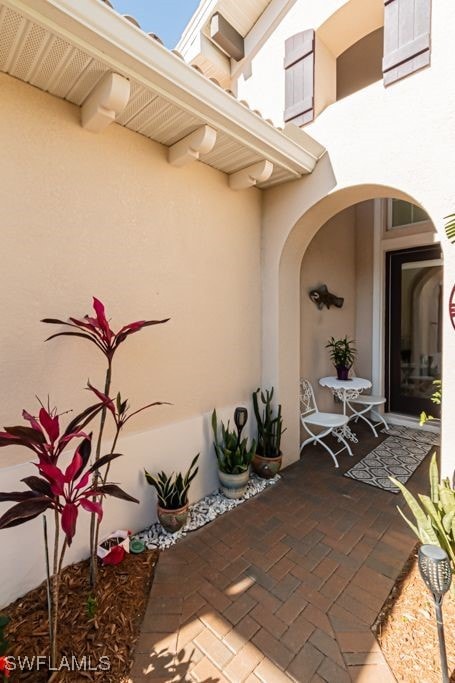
[(282, 345)]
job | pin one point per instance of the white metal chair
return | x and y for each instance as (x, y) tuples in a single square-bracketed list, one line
[(329, 423), (366, 403)]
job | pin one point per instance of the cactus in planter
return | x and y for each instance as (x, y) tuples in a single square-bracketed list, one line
[(270, 426)]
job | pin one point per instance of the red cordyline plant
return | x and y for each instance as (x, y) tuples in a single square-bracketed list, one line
[(63, 491), (97, 330)]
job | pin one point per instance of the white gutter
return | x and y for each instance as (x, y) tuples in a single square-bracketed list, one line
[(99, 31)]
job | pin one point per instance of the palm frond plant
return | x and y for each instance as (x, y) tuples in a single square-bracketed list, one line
[(436, 398), (435, 514), (172, 491), (450, 227)]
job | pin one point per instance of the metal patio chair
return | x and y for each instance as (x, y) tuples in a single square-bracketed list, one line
[(329, 423), (367, 403)]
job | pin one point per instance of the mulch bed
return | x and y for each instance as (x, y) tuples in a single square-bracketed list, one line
[(406, 629), (121, 598)]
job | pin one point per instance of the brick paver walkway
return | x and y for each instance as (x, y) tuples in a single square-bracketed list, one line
[(284, 587)]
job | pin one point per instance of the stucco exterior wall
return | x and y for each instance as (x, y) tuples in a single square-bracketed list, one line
[(330, 259), (382, 142), (106, 215), (338, 24), (364, 274)]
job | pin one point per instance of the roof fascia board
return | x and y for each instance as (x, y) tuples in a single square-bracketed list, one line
[(99, 31), (261, 31), (196, 25)]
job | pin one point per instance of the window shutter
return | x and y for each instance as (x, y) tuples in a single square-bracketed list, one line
[(407, 39), (299, 68)]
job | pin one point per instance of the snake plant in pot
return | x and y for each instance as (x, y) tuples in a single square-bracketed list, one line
[(342, 354), (233, 453), (268, 458), (172, 490)]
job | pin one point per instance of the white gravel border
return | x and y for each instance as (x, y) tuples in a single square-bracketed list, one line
[(202, 512)]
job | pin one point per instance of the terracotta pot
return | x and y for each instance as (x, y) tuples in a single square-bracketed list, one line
[(172, 520), (266, 468), (342, 372), (234, 485)]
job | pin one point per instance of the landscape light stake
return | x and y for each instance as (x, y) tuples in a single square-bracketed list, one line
[(435, 570), (240, 418)]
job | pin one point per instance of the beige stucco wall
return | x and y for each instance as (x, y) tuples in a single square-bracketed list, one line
[(330, 259), (106, 215), (364, 244)]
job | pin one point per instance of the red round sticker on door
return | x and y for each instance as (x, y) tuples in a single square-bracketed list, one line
[(452, 307)]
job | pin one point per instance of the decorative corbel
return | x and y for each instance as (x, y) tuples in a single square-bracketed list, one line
[(189, 148), (250, 176), (105, 102)]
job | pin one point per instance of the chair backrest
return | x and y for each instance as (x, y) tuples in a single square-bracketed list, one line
[(307, 400)]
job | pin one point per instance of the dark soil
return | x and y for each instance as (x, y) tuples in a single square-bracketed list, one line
[(406, 629), (110, 632)]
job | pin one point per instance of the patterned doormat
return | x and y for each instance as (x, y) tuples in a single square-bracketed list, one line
[(395, 457), (418, 435)]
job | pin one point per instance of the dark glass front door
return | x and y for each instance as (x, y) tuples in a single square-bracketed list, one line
[(413, 329)]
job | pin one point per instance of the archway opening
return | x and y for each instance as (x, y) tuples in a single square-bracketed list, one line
[(341, 241)]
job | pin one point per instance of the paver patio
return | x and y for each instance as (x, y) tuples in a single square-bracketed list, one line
[(284, 587)]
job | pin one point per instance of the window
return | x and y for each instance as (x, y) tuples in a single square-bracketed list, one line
[(361, 64), (401, 214)]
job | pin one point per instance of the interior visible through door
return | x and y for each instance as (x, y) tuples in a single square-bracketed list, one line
[(413, 329)]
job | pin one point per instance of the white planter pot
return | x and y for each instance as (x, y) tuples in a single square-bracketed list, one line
[(233, 485)]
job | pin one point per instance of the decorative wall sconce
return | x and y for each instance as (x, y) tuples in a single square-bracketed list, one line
[(322, 297)]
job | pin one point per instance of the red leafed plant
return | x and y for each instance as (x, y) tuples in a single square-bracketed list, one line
[(64, 491), (97, 330)]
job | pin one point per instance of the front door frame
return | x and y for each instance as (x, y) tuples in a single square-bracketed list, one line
[(383, 242), (393, 286)]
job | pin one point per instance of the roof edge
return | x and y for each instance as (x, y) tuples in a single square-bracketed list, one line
[(101, 32)]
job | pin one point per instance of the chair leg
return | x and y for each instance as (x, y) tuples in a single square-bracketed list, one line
[(356, 414), (381, 419), (348, 448), (317, 438), (329, 450)]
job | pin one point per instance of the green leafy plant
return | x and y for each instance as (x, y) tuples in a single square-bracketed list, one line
[(173, 489), (450, 227), (269, 424), (233, 455), (436, 398), (435, 515), (342, 352), (91, 606)]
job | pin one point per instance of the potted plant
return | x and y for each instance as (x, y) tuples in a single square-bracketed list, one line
[(172, 506), (233, 455), (268, 457), (342, 354)]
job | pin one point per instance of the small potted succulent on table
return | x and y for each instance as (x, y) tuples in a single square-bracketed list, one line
[(342, 354), (268, 457), (233, 454), (172, 490)]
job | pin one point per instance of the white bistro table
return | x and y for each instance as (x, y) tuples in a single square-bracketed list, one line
[(346, 390)]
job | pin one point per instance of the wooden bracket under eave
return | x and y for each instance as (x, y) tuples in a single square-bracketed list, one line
[(189, 148), (105, 102), (250, 176)]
